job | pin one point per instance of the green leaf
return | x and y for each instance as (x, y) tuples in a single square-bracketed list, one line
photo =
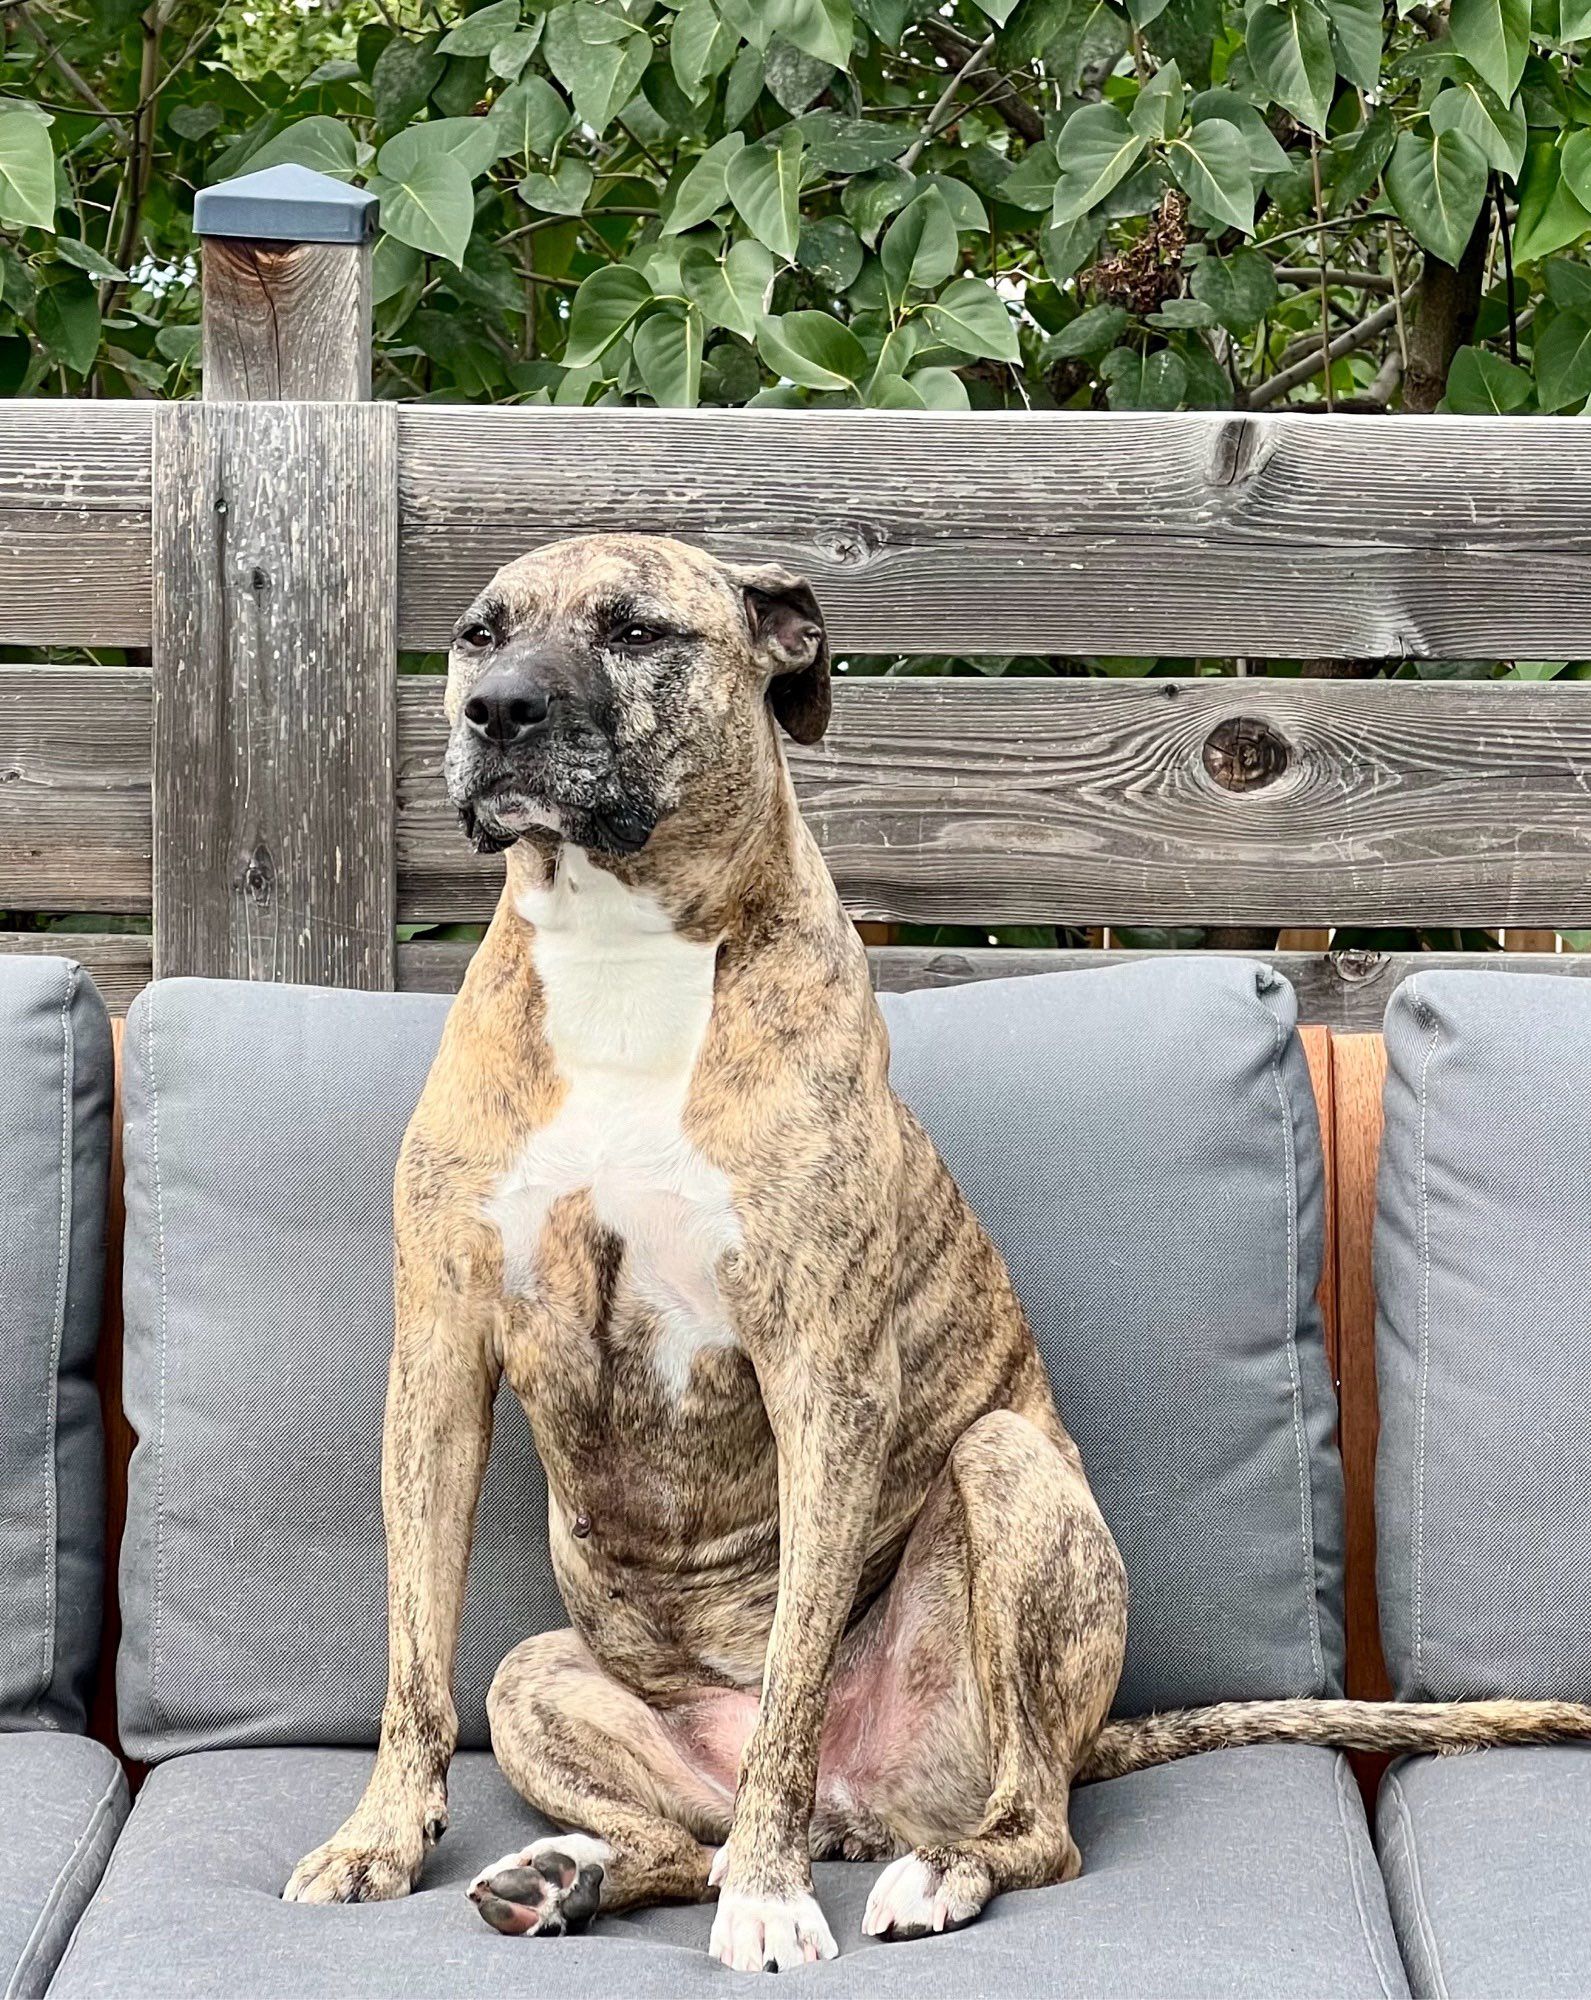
[(892, 392), (702, 192), (821, 28), (1210, 164), (323, 143), (939, 388), (1157, 109), (67, 322), (794, 79), (392, 266), (1472, 107), (1437, 185), (404, 76), (919, 248), (564, 192), (1090, 334), (1134, 382), (1493, 37), (1356, 40), (430, 207), (1289, 51), (1097, 149), (972, 319), (1031, 182), (471, 143), (509, 57), (1568, 285), (1480, 384), (598, 56), (528, 120), (1183, 313), (700, 46), (966, 211), (195, 121), (733, 290), (1563, 362), (71, 250), (1240, 290), (1574, 163), (27, 171), (479, 33), (667, 347), (764, 183), (998, 11), (812, 349), (837, 145), (871, 199), (1358, 169), (831, 250), (744, 86), (1574, 20), (1265, 154), (1550, 218), (603, 307)]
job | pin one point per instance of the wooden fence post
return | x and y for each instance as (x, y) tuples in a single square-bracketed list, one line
[(275, 548)]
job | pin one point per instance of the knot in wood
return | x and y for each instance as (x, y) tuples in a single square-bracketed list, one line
[(259, 877), (1353, 968), (1243, 754), (846, 544)]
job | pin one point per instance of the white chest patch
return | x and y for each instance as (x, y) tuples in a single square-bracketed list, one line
[(627, 1006)]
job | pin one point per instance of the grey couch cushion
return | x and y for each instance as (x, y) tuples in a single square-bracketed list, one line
[(64, 1800), (1487, 1860), (1142, 1142), (55, 1093), (1246, 1875), (1483, 1345)]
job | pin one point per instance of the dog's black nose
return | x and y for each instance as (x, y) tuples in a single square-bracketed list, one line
[(506, 707)]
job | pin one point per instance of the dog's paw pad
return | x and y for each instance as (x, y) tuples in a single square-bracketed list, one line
[(916, 1896), (545, 1890)]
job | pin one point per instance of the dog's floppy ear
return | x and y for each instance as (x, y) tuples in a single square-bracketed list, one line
[(787, 635)]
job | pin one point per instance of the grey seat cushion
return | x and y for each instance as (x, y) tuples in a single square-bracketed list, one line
[(1244, 1873), (55, 1095), (1142, 1142), (1483, 1344), (65, 1799), (1487, 1860)]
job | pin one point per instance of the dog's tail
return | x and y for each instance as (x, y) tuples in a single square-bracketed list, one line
[(1392, 1726)]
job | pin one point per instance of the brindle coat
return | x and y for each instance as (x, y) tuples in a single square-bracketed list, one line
[(836, 1579)]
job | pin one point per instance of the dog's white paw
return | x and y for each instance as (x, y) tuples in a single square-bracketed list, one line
[(768, 1933), (544, 1890), (914, 1897)]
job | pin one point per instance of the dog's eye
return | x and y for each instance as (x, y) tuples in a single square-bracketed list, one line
[(476, 638), (636, 634)]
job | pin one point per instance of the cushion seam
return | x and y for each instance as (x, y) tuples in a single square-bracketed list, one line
[(1416, 1885), (52, 1387), (1434, 1027), (70, 1869), (157, 1708), (1356, 1881), (1294, 1370)]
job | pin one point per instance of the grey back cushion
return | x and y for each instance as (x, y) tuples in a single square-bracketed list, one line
[(1142, 1143), (55, 1098), (1483, 1338)]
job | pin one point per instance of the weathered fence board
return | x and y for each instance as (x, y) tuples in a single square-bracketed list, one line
[(120, 964), (275, 554), (1196, 534), (1121, 801), (1347, 991), (74, 523), (285, 320), (74, 789)]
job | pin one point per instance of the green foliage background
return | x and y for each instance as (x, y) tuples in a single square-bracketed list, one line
[(905, 204)]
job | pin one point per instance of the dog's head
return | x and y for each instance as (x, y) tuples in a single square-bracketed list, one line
[(600, 685)]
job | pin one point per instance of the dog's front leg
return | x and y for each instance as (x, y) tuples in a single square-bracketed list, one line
[(831, 1419), (434, 1442)]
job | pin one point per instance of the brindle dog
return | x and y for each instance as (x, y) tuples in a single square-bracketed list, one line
[(836, 1581)]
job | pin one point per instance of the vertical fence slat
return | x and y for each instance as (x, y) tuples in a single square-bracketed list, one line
[(275, 657)]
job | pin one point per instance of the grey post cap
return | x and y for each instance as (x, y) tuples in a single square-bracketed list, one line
[(286, 204)]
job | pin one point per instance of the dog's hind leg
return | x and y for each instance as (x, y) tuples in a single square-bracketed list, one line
[(1012, 1532), (640, 1789)]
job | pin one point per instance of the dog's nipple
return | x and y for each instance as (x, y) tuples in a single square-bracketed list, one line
[(582, 1525)]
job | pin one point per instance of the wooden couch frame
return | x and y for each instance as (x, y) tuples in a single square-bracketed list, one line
[(252, 779)]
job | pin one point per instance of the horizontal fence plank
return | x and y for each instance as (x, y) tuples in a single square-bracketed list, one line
[(1113, 801), (74, 523), (1347, 991), (75, 789), (1205, 533), (120, 964)]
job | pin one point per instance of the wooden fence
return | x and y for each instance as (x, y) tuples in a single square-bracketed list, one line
[(268, 787)]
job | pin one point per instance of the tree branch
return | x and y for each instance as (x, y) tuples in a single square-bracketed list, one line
[(1008, 100), (940, 114), (1288, 379)]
